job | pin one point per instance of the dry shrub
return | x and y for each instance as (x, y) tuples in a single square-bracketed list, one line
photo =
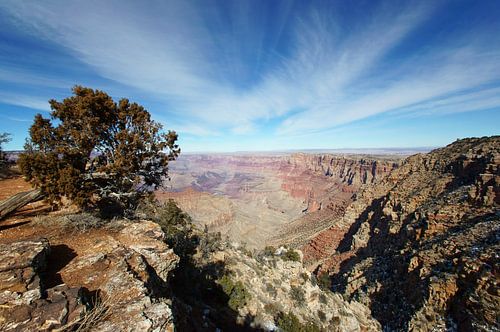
[(100, 311)]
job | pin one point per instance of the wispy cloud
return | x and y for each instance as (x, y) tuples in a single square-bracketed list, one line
[(23, 100), (222, 70)]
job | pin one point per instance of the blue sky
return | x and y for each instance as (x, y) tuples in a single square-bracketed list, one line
[(263, 75)]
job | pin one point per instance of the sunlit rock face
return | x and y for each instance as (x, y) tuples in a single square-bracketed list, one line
[(253, 197), (52, 287), (420, 247)]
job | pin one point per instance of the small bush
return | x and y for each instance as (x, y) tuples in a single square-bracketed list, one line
[(291, 255), (290, 323), (175, 223), (298, 295), (322, 315), (324, 281), (271, 309), (238, 295), (210, 242)]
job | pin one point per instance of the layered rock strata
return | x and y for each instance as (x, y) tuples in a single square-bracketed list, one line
[(421, 247)]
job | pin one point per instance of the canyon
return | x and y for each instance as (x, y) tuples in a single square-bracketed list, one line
[(421, 246), (263, 199), (373, 243)]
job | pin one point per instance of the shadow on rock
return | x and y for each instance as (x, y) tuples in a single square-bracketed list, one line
[(60, 256)]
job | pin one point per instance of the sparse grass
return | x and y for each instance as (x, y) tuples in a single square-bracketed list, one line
[(76, 222), (271, 289), (101, 310)]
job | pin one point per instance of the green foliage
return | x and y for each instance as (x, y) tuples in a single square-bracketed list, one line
[(322, 316), (210, 242), (175, 223), (4, 138), (324, 281), (290, 323), (97, 152), (291, 255), (238, 295), (298, 295), (170, 217)]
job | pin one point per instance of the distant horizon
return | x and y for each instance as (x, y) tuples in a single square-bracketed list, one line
[(368, 151), (382, 150), (255, 75)]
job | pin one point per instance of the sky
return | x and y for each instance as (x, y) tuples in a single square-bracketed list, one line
[(234, 75)]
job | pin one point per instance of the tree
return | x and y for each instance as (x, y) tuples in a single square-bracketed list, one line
[(97, 153), (4, 138)]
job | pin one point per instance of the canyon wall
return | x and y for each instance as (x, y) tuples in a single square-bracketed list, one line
[(252, 198), (421, 246), (313, 177)]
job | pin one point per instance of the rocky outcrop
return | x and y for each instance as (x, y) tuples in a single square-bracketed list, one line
[(24, 302), (123, 276), (420, 246), (274, 285)]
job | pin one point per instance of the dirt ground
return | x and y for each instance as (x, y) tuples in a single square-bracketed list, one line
[(11, 186), (33, 221)]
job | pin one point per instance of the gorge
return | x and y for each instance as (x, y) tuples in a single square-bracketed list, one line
[(253, 197)]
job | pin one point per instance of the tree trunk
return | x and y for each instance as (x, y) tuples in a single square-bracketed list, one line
[(19, 200)]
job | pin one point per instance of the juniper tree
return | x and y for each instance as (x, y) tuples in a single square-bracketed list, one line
[(97, 152), (4, 138)]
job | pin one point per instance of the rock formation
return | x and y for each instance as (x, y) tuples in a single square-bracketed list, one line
[(118, 284), (409, 245), (421, 246), (276, 285)]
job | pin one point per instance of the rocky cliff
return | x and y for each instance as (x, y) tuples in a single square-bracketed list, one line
[(76, 272), (421, 246), (324, 180)]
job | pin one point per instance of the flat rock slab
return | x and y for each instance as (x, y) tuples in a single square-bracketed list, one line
[(20, 263)]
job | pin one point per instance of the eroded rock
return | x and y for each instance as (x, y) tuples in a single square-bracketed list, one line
[(124, 276)]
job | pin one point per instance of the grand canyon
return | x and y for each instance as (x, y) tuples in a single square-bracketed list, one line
[(344, 241), (266, 199), (249, 165)]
